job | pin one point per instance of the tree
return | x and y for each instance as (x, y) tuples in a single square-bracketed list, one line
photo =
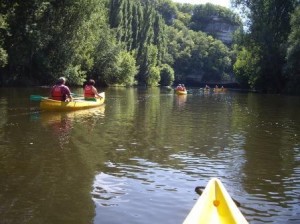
[(53, 38), (168, 10), (166, 75), (197, 55), (3, 34), (112, 42), (246, 67), (268, 29), (153, 76), (124, 70), (141, 29), (292, 69)]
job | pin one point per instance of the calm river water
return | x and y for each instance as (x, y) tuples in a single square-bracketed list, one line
[(138, 158)]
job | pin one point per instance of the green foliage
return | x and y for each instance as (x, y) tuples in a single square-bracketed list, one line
[(139, 27), (203, 14), (74, 75), (198, 55), (148, 42), (268, 30), (124, 70), (247, 67), (93, 38), (293, 55), (147, 60), (3, 57), (168, 10), (49, 39), (3, 34), (153, 76), (166, 75), (78, 37), (105, 56)]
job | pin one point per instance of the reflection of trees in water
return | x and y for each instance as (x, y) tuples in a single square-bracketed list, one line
[(62, 123), (269, 125), (3, 118), (39, 180)]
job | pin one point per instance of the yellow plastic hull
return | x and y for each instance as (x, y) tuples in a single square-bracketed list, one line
[(178, 92), (219, 90), (76, 104), (215, 206)]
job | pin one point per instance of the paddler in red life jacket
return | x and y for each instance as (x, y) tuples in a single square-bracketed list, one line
[(90, 92), (60, 91), (179, 87)]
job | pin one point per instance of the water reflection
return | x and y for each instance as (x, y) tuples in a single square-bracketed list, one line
[(223, 136), (3, 112), (108, 190), (136, 191), (140, 159), (181, 100), (61, 123)]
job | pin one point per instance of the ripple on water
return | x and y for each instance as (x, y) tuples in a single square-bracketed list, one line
[(108, 190), (131, 193), (143, 184)]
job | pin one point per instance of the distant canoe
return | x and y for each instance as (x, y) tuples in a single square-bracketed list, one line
[(215, 206), (205, 90), (219, 90), (181, 92), (76, 104)]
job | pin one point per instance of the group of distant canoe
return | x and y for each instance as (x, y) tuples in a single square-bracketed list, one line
[(181, 90), (216, 89)]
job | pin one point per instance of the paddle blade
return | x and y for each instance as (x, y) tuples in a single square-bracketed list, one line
[(36, 98)]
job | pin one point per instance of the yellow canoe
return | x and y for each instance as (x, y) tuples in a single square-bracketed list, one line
[(217, 90), (179, 92), (215, 206), (76, 104)]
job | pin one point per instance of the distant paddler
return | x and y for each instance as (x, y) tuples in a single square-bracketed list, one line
[(180, 89), (216, 89), (206, 88), (223, 89)]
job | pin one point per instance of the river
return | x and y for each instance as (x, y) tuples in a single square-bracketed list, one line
[(138, 158)]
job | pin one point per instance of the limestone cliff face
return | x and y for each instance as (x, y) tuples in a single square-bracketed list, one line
[(220, 29)]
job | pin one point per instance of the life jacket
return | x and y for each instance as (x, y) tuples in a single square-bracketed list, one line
[(88, 91), (57, 93), (179, 88)]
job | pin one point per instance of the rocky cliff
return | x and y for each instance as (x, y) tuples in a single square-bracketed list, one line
[(217, 21), (220, 29)]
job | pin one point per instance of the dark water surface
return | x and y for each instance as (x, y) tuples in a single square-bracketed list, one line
[(138, 158)]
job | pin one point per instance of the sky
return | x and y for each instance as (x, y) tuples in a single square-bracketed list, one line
[(225, 3)]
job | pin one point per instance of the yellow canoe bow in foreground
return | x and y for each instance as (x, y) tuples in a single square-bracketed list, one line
[(76, 104), (215, 206)]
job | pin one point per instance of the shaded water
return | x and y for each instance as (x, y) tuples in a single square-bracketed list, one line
[(138, 158)]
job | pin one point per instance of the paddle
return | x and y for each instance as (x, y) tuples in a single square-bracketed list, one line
[(199, 191), (189, 91), (74, 94), (36, 98)]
